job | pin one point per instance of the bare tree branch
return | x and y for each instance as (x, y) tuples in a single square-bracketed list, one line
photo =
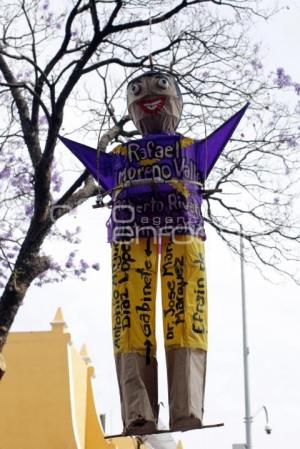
[(30, 133)]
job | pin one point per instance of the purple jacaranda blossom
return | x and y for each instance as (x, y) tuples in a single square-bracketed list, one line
[(28, 73), (54, 266), (280, 71), (50, 17), (71, 236), (57, 181), (256, 48), (42, 276), (29, 210), (70, 261), (290, 140), (83, 265), (68, 236), (5, 173), (297, 109), (276, 200), (297, 88), (43, 120), (24, 182), (96, 266), (256, 64), (282, 80)]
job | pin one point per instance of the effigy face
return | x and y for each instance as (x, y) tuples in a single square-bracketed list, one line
[(154, 103)]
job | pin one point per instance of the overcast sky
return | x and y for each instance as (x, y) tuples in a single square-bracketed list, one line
[(273, 315)]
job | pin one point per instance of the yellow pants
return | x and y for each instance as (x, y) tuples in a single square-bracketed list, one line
[(184, 294)]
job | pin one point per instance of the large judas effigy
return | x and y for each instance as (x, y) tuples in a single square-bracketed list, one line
[(156, 186)]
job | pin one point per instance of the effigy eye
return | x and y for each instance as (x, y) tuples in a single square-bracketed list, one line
[(163, 83), (134, 88)]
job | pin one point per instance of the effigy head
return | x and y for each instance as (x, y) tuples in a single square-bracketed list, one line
[(154, 102)]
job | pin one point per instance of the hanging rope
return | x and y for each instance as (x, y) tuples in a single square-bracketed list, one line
[(206, 146), (100, 190), (205, 139), (150, 38)]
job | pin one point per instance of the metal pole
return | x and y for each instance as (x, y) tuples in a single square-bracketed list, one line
[(248, 417)]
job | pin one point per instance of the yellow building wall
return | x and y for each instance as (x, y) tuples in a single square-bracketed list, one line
[(78, 388), (35, 393), (94, 437), (46, 395)]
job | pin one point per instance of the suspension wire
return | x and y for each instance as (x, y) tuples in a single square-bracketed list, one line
[(98, 171), (206, 145), (150, 37), (100, 189), (205, 140)]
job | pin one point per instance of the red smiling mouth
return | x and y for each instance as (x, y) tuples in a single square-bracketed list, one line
[(153, 104)]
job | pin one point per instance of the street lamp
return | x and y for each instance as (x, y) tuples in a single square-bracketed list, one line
[(246, 352), (248, 417), (268, 429)]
